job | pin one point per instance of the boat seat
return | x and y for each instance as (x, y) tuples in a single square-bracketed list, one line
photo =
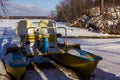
[(21, 28), (31, 45), (50, 29), (32, 49)]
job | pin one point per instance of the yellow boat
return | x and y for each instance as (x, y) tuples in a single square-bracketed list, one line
[(79, 60)]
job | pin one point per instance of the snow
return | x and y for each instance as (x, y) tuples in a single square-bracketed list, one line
[(109, 49), (13, 22), (76, 32)]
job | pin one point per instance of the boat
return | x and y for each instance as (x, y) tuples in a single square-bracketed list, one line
[(43, 42), (15, 62), (79, 60)]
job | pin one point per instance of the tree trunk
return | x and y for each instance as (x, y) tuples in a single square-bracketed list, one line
[(101, 7)]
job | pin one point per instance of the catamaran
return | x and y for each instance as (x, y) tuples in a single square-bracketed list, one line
[(42, 41)]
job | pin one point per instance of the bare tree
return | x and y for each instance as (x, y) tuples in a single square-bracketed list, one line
[(3, 4), (71, 10)]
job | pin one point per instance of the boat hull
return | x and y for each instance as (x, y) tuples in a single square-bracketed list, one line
[(16, 72), (15, 62), (85, 67)]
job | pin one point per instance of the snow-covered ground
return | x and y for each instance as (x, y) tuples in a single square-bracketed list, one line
[(76, 32), (109, 49), (70, 30)]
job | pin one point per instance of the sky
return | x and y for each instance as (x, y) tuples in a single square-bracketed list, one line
[(30, 7)]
